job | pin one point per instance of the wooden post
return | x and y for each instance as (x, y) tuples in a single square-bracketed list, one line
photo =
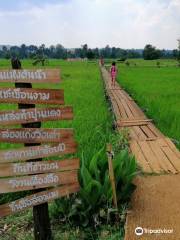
[(111, 173), (42, 227)]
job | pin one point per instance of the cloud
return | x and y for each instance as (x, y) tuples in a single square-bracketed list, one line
[(123, 23)]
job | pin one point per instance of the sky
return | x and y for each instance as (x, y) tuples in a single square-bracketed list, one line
[(119, 23)]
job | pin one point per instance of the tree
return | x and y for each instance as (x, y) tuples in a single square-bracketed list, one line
[(14, 51), (107, 52), (96, 52), (84, 50), (113, 52), (150, 52), (90, 54), (23, 53), (175, 53), (178, 56)]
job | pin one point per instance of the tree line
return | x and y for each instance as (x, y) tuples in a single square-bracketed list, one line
[(32, 51)]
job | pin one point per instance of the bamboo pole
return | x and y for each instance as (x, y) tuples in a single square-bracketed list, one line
[(111, 173)]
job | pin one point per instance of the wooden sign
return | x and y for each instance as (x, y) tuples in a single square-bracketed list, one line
[(30, 75), (35, 115), (31, 182), (27, 168), (35, 135), (27, 153), (29, 95), (36, 199)]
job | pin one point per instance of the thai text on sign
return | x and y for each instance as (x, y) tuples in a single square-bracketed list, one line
[(27, 168), (38, 198), (30, 75), (29, 95), (35, 115), (17, 184), (35, 135), (36, 152)]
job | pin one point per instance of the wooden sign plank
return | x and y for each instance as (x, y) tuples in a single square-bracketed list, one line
[(35, 115), (31, 96), (30, 75), (37, 199), (35, 135), (36, 152), (17, 169), (32, 182)]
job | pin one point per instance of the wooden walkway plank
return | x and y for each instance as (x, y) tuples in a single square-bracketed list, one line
[(164, 161), (155, 130), (126, 108), (133, 109), (140, 133), (173, 147), (133, 134), (147, 131), (170, 154), (121, 108), (149, 155), (137, 151), (138, 109), (116, 109)]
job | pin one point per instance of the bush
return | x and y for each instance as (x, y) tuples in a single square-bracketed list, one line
[(93, 204), (127, 63), (158, 64)]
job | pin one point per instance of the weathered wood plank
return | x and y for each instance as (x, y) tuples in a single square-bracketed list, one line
[(32, 182), (35, 115), (35, 135), (127, 109), (155, 130), (148, 131), (149, 154), (140, 134), (130, 124), (38, 198), (138, 110), (17, 169), (142, 161), (31, 96), (173, 147), (120, 106), (173, 158), (30, 75), (133, 120), (36, 152), (165, 163)]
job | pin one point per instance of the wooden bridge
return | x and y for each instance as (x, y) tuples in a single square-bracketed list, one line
[(155, 153)]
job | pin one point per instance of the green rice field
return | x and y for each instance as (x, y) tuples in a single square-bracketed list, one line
[(92, 125), (156, 90)]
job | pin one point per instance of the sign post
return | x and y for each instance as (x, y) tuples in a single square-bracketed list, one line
[(42, 226), (23, 168)]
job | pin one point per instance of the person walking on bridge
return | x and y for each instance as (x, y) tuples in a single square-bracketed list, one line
[(113, 72)]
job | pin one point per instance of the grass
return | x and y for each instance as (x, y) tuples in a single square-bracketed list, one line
[(92, 124), (156, 90), (20, 227)]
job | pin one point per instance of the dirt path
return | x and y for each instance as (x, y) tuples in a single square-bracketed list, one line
[(155, 205), (156, 201)]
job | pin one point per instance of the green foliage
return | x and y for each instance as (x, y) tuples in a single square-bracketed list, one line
[(158, 64), (125, 171), (127, 63), (151, 52), (93, 204)]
